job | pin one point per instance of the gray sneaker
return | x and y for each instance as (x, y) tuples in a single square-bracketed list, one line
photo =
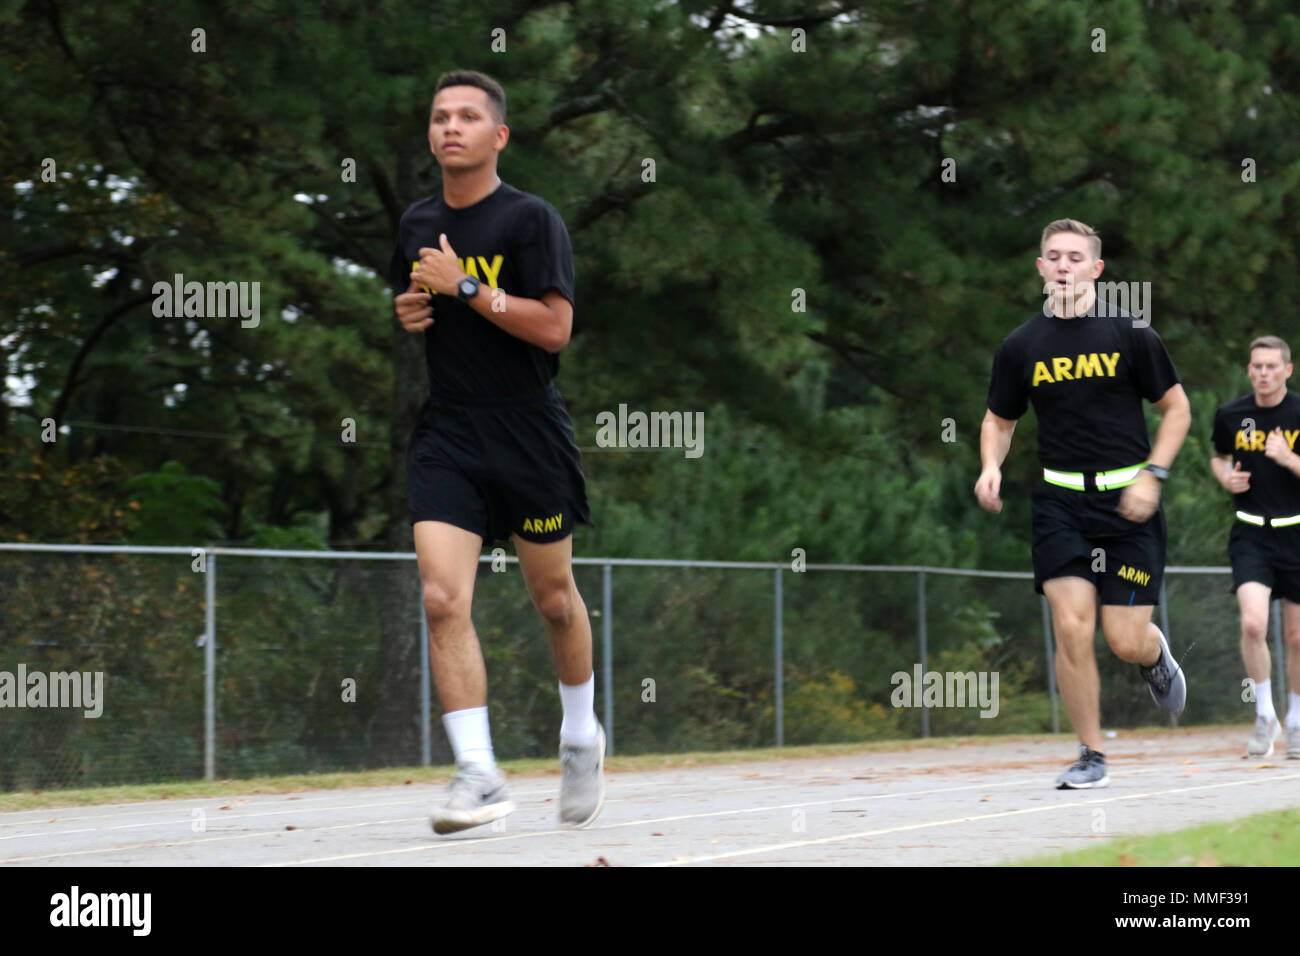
[(1267, 730), (1166, 680), (478, 796), (1086, 773), (1293, 742), (582, 790)]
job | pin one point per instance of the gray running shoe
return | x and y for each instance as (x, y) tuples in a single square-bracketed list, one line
[(1267, 730), (1166, 680), (582, 790), (478, 796), (1086, 773), (1293, 742)]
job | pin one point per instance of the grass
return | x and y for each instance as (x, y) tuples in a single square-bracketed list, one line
[(1266, 839)]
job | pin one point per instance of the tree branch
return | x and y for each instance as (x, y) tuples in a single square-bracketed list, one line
[(103, 325)]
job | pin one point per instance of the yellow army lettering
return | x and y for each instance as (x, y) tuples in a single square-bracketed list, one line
[(538, 525), (1254, 441), (1066, 369), (470, 265), (1133, 574)]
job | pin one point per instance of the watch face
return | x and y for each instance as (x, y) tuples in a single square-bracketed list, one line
[(468, 286)]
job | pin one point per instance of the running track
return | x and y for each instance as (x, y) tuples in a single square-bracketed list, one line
[(960, 805)]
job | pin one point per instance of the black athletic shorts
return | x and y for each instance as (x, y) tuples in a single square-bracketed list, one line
[(1079, 534), (497, 467), (1270, 556)]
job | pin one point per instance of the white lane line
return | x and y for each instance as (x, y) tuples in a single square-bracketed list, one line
[(453, 844), (942, 823)]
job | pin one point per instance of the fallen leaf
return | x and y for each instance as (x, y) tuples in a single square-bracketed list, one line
[(290, 826)]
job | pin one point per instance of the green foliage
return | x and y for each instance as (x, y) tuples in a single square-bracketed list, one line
[(174, 506)]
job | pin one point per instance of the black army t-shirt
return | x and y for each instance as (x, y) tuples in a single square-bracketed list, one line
[(509, 240), (1241, 428), (1086, 378)]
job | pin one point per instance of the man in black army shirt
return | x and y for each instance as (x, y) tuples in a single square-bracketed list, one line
[(1254, 441), (1099, 530), (485, 273)]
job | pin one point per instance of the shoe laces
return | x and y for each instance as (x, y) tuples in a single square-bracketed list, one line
[(1159, 673)]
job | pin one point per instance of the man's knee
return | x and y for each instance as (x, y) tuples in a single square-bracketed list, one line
[(557, 603), (1254, 628), (444, 603)]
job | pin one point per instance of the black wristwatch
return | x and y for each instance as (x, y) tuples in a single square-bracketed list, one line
[(1161, 473), (467, 288)]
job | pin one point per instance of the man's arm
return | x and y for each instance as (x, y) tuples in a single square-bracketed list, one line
[(995, 442), (546, 322), (1140, 499), (1276, 449), (1231, 477)]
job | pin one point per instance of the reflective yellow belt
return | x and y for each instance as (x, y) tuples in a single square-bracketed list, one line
[(1261, 520), (1104, 480)]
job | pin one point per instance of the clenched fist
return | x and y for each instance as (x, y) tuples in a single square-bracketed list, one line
[(414, 308)]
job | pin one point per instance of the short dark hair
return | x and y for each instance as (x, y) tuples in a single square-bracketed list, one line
[(1272, 342), (1076, 227), (496, 95)]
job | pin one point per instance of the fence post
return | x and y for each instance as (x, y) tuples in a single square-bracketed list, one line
[(210, 667), (1051, 666), (1164, 626), (920, 617), (426, 692), (778, 614), (607, 665), (1280, 680)]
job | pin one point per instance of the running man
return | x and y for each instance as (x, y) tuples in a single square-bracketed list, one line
[(485, 273), (1099, 529), (1255, 438)]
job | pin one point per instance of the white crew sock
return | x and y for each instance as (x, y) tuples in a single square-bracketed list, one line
[(579, 703), (1264, 699), (1293, 709), (470, 738)]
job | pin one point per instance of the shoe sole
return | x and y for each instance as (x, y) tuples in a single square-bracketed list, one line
[(1096, 784), (1178, 678), (600, 799), (453, 821), (1271, 746)]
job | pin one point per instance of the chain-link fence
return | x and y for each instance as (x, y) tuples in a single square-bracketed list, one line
[(233, 662)]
